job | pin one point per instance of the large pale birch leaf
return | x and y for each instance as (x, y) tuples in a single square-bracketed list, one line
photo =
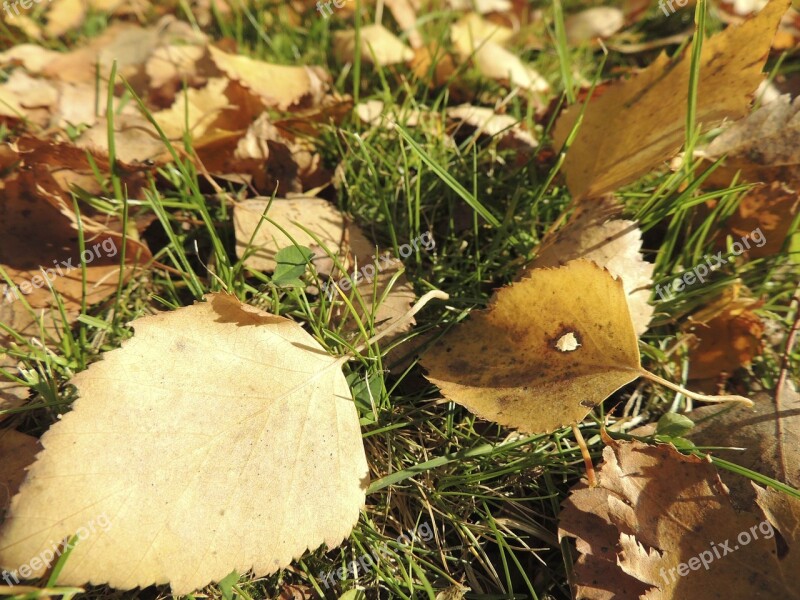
[(218, 438)]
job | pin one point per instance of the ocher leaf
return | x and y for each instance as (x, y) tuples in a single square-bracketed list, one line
[(614, 146), (548, 349)]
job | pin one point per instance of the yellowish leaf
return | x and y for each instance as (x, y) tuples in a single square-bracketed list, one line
[(378, 46), (614, 147), (511, 363), (257, 460)]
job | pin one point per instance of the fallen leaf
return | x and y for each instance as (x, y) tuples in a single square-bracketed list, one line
[(762, 146), (377, 290), (655, 509), (196, 110), (592, 23), (406, 17), (505, 363), (727, 335), (279, 86), (258, 241), (769, 209), (471, 31), (593, 233), (17, 452), (486, 121), (63, 16), (378, 46), (39, 243), (258, 471), (767, 438), (614, 147), (495, 62)]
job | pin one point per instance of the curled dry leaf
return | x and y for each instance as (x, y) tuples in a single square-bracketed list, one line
[(271, 450), (660, 526), (766, 438), (378, 46), (615, 147), (593, 233), (509, 364), (278, 86)]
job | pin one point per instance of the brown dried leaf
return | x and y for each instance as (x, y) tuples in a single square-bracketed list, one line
[(768, 436), (654, 510), (17, 452), (728, 336)]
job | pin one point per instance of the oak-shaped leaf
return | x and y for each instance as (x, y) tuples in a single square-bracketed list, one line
[(218, 438)]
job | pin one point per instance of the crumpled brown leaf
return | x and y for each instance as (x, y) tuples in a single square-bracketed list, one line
[(654, 510)]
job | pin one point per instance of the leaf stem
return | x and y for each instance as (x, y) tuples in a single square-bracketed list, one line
[(398, 323), (694, 395), (587, 458)]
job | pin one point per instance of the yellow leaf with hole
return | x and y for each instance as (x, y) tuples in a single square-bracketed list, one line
[(547, 350), (594, 233), (218, 438)]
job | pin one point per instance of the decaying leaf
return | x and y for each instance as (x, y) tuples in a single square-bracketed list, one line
[(660, 526), (614, 147), (266, 438), (763, 146), (509, 364), (766, 438), (593, 233), (727, 335)]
